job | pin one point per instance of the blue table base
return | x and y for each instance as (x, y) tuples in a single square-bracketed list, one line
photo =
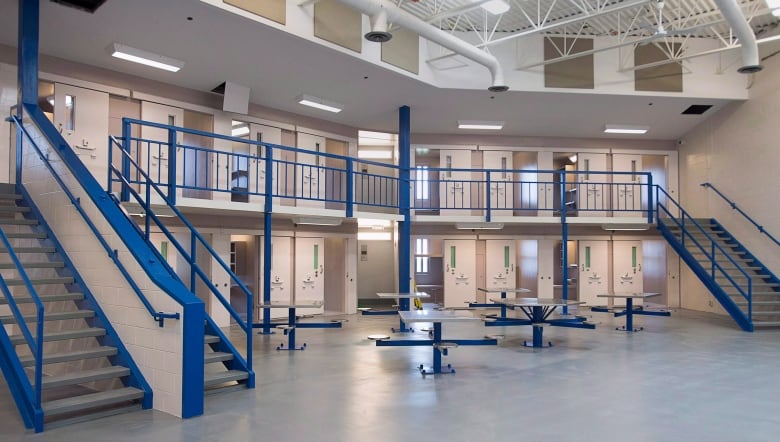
[(538, 315), (629, 313), (437, 352), (292, 322)]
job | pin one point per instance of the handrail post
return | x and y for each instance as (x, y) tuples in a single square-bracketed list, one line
[(193, 260), (126, 134), (171, 166), (350, 191), (650, 206), (487, 197), (564, 244)]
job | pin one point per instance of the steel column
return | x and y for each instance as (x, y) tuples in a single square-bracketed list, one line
[(404, 227)]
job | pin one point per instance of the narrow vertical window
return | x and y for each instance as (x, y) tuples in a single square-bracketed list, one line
[(448, 162), (316, 256), (421, 183), (503, 168), (70, 112)]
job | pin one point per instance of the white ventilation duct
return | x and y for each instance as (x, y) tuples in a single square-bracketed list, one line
[(734, 17), (376, 8), (379, 32)]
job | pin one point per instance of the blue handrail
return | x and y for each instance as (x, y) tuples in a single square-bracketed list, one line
[(741, 212), (685, 217), (158, 316), (145, 203), (35, 344)]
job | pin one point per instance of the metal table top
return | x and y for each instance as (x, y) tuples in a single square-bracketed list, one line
[(517, 290), (536, 302), (404, 295), (298, 304), (437, 316), (627, 295)]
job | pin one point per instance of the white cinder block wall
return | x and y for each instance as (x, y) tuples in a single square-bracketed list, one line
[(736, 150), (157, 351)]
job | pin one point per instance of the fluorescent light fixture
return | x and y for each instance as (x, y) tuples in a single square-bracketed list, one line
[(625, 129), (573, 158), (482, 125), (145, 57), (479, 226), (373, 223), (495, 7), (625, 226), (237, 123), (375, 154), (374, 236), (319, 103), (369, 138), (317, 221), (240, 131), (773, 4)]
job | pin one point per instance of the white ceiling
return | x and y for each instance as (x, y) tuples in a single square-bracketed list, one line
[(277, 66)]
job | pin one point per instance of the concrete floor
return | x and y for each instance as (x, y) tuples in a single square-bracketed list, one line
[(691, 377)]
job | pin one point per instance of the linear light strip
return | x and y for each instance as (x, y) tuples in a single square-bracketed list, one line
[(147, 58)]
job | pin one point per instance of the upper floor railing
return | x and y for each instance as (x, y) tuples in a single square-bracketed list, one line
[(742, 212), (306, 178)]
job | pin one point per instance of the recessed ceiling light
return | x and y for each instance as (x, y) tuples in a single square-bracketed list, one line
[(375, 154), (625, 129), (319, 103), (482, 125), (495, 7), (147, 58), (240, 131)]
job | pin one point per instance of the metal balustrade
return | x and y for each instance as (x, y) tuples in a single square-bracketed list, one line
[(734, 206)]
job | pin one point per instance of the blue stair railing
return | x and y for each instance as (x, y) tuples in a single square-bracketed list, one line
[(714, 253), (190, 256), (734, 206), (145, 256), (27, 397)]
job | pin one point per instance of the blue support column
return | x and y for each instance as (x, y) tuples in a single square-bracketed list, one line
[(27, 73), (171, 166), (650, 204), (404, 227), (126, 135), (267, 224), (564, 244)]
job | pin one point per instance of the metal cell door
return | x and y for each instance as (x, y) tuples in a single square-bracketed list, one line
[(501, 186), (456, 185), (627, 268), (460, 272), (627, 188), (593, 187), (309, 272), (500, 259), (154, 154), (310, 172), (593, 277), (81, 116)]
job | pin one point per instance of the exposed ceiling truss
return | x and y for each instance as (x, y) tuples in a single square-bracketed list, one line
[(671, 25)]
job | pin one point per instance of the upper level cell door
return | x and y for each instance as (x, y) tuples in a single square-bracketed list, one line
[(310, 171), (501, 185), (81, 116), (545, 185), (155, 151), (593, 275), (627, 268), (500, 264), (593, 184), (257, 167), (460, 272), (456, 183), (627, 188), (309, 273)]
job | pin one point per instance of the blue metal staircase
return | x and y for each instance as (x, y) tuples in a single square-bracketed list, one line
[(72, 364), (745, 287)]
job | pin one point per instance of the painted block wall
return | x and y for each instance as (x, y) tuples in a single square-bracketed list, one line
[(736, 150), (157, 351)]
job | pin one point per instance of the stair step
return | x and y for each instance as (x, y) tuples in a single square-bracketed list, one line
[(27, 235), (211, 379), (14, 209), (211, 339), (41, 281), (34, 265), (93, 400), (766, 323), (63, 335), (740, 279), (84, 376), (743, 302), (37, 249), (76, 296), (55, 358), (10, 196), (217, 356), (19, 222), (61, 316)]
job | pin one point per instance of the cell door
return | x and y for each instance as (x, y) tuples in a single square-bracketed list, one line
[(310, 172), (545, 185), (593, 187), (154, 154), (500, 258), (627, 188), (281, 273), (455, 187), (460, 272), (309, 270), (593, 277), (627, 268), (501, 189), (81, 116), (257, 170), (546, 268)]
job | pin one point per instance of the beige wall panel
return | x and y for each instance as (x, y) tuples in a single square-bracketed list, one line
[(271, 9), (403, 51), (576, 73), (338, 24), (664, 78)]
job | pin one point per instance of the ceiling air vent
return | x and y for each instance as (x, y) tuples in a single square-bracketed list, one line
[(696, 109), (220, 89), (85, 5)]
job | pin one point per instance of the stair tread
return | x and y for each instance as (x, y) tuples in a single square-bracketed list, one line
[(26, 235), (63, 335), (92, 400), (217, 356), (210, 379), (766, 323), (10, 196), (211, 339), (14, 209), (769, 313), (54, 358), (58, 316), (34, 265), (14, 221), (41, 281), (36, 249), (72, 296), (84, 376)]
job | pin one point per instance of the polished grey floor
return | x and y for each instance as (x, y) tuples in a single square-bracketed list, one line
[(691, 377)]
